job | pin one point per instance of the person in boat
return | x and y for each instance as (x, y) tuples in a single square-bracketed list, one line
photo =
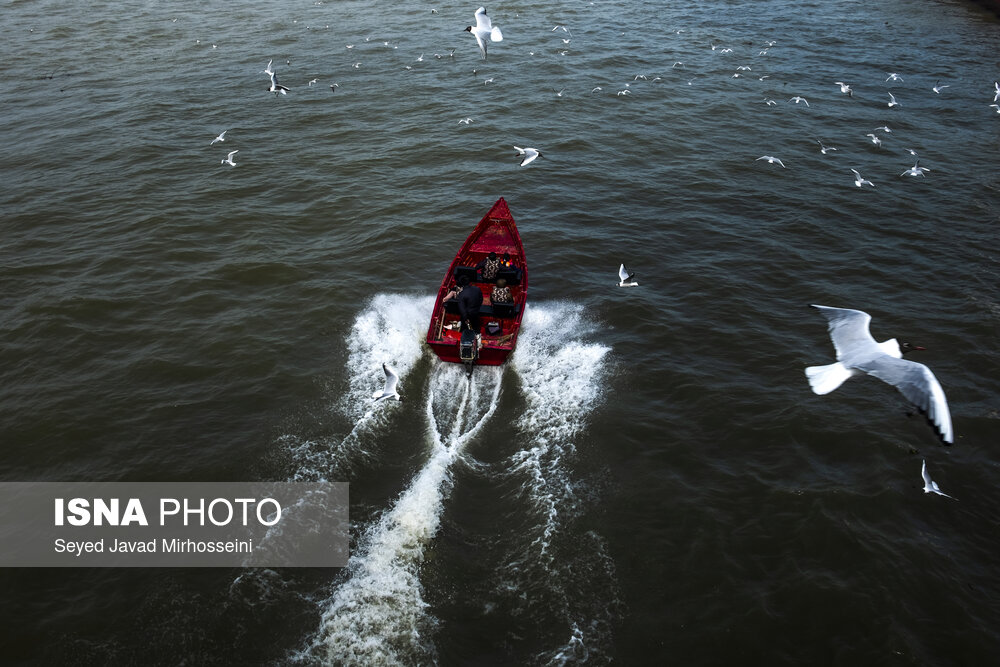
[(469, 298), (489, 266), (506, 264), (453, 292), (501, 292)]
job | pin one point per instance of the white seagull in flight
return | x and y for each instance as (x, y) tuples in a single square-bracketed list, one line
[(771, 160), (892, 101), (276, 87), (529, 155), (857, 353), (221, 137), (915, 170), (930, 486), (229, 158), (823, 148), (858, 181), (798, 99), (938, 87), (484, 31), (389, 390), (996, 96), (844, 88), (626, 279)]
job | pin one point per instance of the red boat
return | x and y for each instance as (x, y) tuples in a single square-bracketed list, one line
[(499, 322)]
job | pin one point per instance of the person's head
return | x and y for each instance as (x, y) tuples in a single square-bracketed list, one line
[(463, 280), (493, 256), (501, 283)]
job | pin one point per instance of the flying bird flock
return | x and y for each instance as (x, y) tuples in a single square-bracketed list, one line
[(857, 352)]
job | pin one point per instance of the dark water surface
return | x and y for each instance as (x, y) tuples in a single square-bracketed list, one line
[(650, 479)]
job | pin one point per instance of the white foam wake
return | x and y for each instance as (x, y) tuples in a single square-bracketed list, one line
[(560, 378), (390, 329), (378, 616)]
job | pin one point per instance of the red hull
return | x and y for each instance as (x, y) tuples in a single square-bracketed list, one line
[(496, 232)]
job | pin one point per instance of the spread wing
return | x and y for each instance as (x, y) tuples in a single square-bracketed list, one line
[(390, 380), (483, 22), (923, 473), (849, 331), (623, 274), (917, 383)]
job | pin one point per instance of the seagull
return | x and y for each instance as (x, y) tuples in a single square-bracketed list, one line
[(389, 390), (823, 149), (884, 128), (596, 88), (930, 486), (769, 103), (771, 160), (892, 101), (221, 137), (857, 352), (313, 81), (915, 170), (996, 86), (267, 70), (626, 279), (489, 80), (529, 155), (858, 181), (893, 77), (334, 86), (229, 158), (912, 152), (484, 30), (844, 88), (875, 139), (938, 87), (624, 92), (798, 99), (466, 121), (275, 87)]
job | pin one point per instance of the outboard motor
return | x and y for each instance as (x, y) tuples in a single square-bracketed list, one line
[(468, 349)]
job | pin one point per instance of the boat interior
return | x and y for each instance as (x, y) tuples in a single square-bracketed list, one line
[(497, 319)]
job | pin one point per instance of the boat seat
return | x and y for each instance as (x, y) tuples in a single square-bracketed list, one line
[(499, 309), (502, 309), (512, 276)]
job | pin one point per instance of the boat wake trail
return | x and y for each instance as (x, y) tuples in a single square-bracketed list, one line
[(378, 615), (390, 330), (558, 570)]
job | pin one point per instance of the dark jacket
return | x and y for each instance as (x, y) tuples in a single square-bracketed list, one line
[(469, 301)]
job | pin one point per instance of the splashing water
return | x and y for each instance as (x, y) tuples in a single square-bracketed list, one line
[(390, 329), (378, 616), (560, 379)]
